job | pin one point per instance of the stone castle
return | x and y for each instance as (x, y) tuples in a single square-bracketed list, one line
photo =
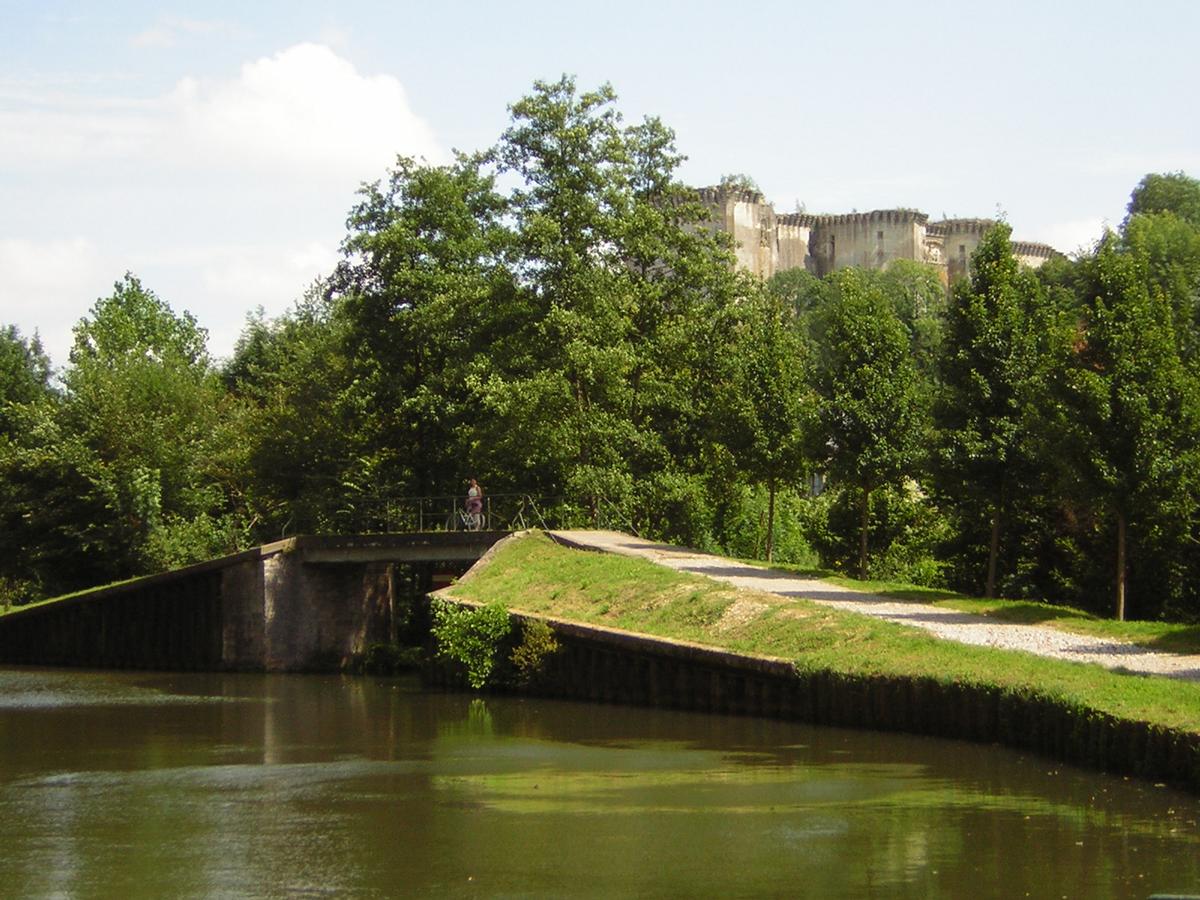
[(767, 242)]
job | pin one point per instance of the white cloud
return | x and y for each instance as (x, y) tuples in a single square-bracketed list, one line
[(305, 108), (223, 194)]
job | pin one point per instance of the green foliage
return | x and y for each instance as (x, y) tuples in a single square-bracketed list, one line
[(994, 369), (739, 181), (1131, 386), (872, 410), (1168, 251), (119, 477), (772, 409), (904, 539), (471, 637), (24, 374), (743, 525), (529, 657), (1173, 192)]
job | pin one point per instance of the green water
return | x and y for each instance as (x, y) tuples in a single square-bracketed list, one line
[(149, 785)]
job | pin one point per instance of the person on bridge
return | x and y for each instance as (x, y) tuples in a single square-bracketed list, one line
[(475, 505)]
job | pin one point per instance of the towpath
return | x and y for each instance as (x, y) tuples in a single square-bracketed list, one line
[(945, 623)]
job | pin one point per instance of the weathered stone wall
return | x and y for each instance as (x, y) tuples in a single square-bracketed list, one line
[(793, 243), (868, 240), (751, 222), (962, 238), (319, 617)]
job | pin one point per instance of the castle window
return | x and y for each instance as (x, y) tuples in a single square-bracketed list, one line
[(962, 249), (879, 235)]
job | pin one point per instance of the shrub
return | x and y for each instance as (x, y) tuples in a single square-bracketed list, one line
[(471, 637), (529, 657)]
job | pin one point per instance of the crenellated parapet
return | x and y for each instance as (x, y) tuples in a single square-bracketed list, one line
[(963, 226), (719, 194), (1034, 250), (877, 216), (799, 220)]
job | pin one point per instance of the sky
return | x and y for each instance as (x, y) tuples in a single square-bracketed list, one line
[(214, 149)]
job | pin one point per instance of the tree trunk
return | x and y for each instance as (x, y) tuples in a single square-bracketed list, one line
[(1120, 610), (770, 516), (862, 535), (993, 553)]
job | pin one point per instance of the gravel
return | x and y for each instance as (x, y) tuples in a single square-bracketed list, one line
[(944, 623)]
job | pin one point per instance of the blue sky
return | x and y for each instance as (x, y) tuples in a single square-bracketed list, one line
[(214, 149)]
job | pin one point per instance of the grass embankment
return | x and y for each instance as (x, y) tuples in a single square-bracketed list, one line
[(1165, 637), (534, 575), (5, 609)]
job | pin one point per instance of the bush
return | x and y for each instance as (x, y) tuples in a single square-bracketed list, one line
[(472, 637), (904, 533), (529, 657), (745, 526)]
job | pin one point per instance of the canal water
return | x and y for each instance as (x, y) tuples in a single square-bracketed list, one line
[(194, 785)]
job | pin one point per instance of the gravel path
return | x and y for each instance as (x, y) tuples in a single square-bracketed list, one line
[(945, 623)]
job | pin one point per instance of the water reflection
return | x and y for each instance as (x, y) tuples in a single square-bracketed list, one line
[(239, 785)]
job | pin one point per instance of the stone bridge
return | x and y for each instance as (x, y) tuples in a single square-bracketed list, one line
[(302, 604)]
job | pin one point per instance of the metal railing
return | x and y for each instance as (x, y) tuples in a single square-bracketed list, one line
[(500, 512)]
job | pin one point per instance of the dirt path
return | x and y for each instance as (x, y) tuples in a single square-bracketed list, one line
[(945, 623)]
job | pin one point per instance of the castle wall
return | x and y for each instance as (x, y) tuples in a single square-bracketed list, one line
[(766, 243), (750, 221), (962, 237), (868, 240), (793, 240)]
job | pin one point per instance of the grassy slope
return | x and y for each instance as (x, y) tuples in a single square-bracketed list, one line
[(534, 575)]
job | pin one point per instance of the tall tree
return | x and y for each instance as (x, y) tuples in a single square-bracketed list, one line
[(423, 274), (560, 393), (307, 461), (1136, 408), (117, 479), (871, 412), (991, 368), (773, 401), (1168, 249)]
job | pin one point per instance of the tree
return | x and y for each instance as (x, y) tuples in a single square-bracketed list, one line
[(24, 374), (423, 276), (1136, 409), (1173, 192), (919, 298), (1168, 249), (992, 366), (773, 401), (142, 399), (305, 454), (871, 411)]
